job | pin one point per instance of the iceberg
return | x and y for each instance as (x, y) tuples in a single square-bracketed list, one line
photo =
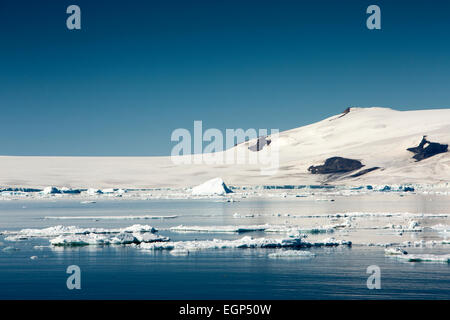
[(211, 187), (244, 243), (179, 252), (394, 251), (93, 191)]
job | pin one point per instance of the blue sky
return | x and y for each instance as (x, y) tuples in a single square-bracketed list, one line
[(140, 69)]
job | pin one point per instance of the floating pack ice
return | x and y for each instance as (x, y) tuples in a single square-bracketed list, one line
[(245, 242), (394, 251), (442, 228), (60, 230), (252, 228), (106, 239), (130, 217), (51, 190), (211, 187), (218, 229), (443, 258)]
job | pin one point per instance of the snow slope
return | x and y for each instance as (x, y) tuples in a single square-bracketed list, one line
[(376, 136)]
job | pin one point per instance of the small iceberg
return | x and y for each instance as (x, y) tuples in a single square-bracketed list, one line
[(244, 243), (218, 229), (211, 187), (106, 239), (51, 190), (394, 252)]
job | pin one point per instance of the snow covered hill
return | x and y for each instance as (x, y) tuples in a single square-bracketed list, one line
[(377, 137)]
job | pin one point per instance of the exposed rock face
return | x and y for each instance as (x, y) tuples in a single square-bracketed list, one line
[(362, 172), (427, 149), (260, 143), (336, 165)]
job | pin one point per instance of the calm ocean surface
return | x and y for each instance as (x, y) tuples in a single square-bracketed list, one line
[(120, 272)]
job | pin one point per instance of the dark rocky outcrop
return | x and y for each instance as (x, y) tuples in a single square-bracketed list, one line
[(346, 111), (427, 149), (336, 165), (260, 143)]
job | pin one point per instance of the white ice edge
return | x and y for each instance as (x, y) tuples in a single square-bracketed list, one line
[(245, 242), (399, 253), (253, 228), (105, 239), (60, 230)]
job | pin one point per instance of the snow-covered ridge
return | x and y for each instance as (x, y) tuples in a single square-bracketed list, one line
[(378, 137)]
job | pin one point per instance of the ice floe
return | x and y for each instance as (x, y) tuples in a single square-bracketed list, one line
[(93, 191), (129, 217), (105, 239), (394, 251), (442, 258), (179, 252), (245, 242), (442, 228), (218, 229)]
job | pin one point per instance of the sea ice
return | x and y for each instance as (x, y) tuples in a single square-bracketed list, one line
[(130, 217), (106, 239), (425, 258), (394, 251)]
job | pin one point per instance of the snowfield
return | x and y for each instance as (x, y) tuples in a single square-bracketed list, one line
[(378, 137)]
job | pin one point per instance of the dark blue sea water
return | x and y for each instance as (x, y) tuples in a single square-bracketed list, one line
[(120, 272)]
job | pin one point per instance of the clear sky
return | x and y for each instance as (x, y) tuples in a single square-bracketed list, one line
[(137, 70)]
